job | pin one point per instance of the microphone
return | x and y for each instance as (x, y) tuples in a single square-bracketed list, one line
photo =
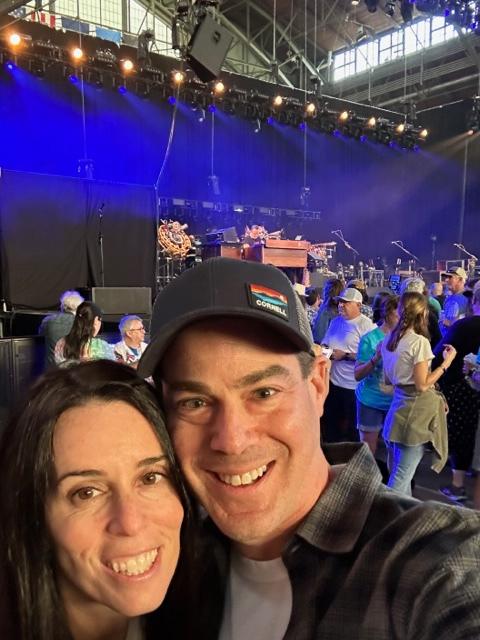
[(395, 241), (336, 231), (459, 246)]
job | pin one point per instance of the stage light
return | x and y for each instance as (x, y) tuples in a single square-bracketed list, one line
[(258, 126), (122, 89), (400, 128), (127, 65), (9, 65), (372, 122), (302, 126), (73, 78), (212, 108), (470, 132), (310, 108), (178, 77), (171, 100), (355, 3), (343, 116), (14, 39), (270, 120), (219, 87), (423, 134), (278, 101), (201, 115), (77, 54)]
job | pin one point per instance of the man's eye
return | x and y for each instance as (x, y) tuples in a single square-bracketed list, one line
[(152, 477), (264, 393), (192, 403), (85, 493)]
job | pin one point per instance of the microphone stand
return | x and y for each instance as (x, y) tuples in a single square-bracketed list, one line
[(399, 245), (100, 244), (472, 258), (347, 245)]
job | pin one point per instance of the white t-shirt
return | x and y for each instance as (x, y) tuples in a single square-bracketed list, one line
[(398, 365), (258, 602), (345, 335)]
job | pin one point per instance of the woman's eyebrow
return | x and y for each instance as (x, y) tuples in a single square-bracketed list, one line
[(98, 473)]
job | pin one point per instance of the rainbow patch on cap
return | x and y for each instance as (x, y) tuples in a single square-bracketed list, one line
[(268, 300)]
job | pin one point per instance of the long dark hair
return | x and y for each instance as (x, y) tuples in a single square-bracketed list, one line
[(377, 305), (33, 607), (413, 315), (331, 289), (82, 330)]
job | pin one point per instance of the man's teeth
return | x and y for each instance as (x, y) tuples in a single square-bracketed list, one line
[(135, 566), (245, 478)]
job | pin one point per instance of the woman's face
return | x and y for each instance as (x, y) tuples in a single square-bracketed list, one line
[(114, 515), (97, 324)]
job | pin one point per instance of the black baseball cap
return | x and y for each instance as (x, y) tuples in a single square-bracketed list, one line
[(226, 287)]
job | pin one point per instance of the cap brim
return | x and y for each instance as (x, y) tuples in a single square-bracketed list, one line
[(156, 349)]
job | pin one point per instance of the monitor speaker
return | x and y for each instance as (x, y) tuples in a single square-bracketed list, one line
[(119, 301), (208, 48)]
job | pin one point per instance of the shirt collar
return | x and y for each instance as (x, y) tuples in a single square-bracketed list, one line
[(331, 525)]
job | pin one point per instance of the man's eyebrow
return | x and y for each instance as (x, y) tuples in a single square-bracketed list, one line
[(188, 385), (98, 473), (262, 374)]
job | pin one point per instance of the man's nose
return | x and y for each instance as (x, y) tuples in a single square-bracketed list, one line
[(233, 428)]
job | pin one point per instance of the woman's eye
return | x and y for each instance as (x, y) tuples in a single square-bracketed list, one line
[(152, 477), (85, 493)]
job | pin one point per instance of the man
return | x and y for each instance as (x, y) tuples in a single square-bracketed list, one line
[(132, 345), (301, 543), (360, 285), (456, 304), (417, 285), (343, 336), (436, 293), (58, 325)]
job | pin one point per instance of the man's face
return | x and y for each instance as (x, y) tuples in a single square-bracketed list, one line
[(455, 284), (245, 425), (349, 310), (135, 335), (255, 232)]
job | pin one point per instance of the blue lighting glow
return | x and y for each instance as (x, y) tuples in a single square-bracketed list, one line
[(302, 126), (73, 78), (172, 100), (212, 108), (363, 138), (122, 89), (9, 65), (337, 133), (270, 120)]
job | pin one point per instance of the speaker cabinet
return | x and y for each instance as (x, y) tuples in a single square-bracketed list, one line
[(119, 301), (208, 48)]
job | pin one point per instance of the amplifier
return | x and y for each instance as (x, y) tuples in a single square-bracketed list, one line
[(120, 301)]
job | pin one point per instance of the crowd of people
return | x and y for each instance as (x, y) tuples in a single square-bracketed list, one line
[(193, 497)]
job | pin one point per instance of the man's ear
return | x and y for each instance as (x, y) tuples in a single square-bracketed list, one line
[(319, 379)]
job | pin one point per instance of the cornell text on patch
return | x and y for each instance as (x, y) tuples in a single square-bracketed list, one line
[(269, 300)]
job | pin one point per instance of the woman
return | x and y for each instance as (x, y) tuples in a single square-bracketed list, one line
[(81, 343), (328, 310), (91, 507), (417, 414), (372, 400), (377, 305)]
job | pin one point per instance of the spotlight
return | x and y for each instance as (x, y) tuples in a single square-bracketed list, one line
[(178, 77), (201, 115), (77, 54), (219, 87), (126, 65), (270, 120), (372, 122), (14, 39), (400, 128), (390, 8), (343, 116), (310, 108), (423, 134), (212, 108), (9, 65), (278, 101), (355, 3), (73, 78), (258, 126), (122, 89), (171, 100), (470, 132), (302, 126)]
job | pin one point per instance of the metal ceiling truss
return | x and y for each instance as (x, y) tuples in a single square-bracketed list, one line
[(252, 54)]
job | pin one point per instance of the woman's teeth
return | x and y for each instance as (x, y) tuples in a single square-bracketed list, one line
[(136, 565), (245, 478)]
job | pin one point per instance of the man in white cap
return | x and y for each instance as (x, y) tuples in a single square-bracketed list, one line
[(343, 336), (456, 303)]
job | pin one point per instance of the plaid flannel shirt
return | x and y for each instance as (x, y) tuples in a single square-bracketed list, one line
[(367, 564)]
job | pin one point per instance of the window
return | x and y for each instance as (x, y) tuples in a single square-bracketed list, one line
[(417, 36), (390, 46), (344, 64), (367, 56)]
